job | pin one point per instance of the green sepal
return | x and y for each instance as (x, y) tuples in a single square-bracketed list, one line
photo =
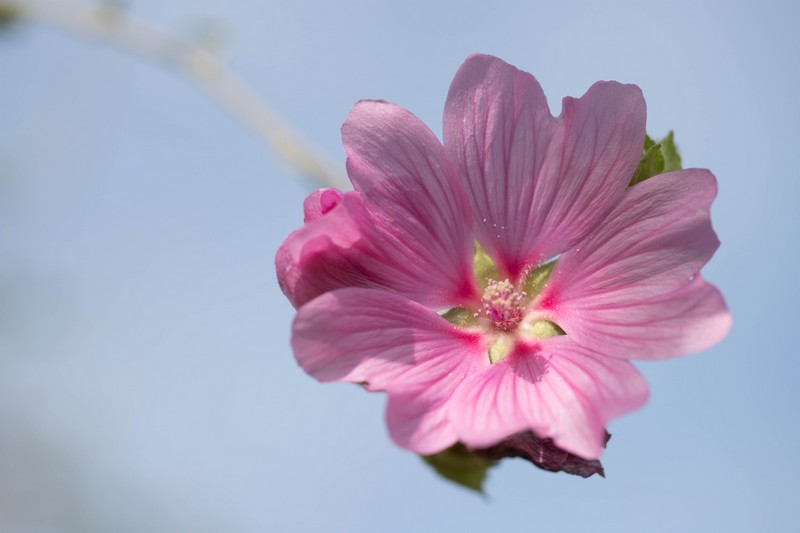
[(460, 317), (500, 348), (543, 329), (537, 279), (461, 466), (483, 266), (657, 158)]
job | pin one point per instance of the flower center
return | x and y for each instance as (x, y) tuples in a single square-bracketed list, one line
[(502, 304)]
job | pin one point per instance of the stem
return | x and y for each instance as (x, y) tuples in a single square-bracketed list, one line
[(110, 24)]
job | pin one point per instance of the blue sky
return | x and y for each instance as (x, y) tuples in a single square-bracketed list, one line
[(146, 381)]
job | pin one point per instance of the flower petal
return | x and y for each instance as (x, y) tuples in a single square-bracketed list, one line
[(555, 388), (380, 338), (409, 183), (393, 344), (319, 203), (538, 184), (417, 417), (343, 245), (333, 250), (631, 288), (686, 320)]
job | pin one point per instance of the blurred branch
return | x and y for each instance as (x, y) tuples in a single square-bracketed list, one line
[(108, 22), (8, 14)]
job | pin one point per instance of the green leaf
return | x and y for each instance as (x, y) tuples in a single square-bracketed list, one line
[(459, 465), (672, 159), (648, 142), (657, 158), (652, 163)]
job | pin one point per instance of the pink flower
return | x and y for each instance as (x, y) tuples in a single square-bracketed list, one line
[(390, 294)]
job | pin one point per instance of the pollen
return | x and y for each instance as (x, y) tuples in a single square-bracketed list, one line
[(502, 303)]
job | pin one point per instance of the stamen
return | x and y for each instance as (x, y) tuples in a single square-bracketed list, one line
[(502, 304)]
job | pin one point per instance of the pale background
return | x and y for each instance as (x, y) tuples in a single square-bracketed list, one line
[(146, 383)]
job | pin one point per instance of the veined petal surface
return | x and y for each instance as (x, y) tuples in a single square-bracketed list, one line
[(631, 288), (537, 184), (347, 246), (686, 320), (417, 416), (409, 184), (390, 343), (555, 388), (380, 338)]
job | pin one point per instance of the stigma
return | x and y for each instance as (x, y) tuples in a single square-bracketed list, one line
[(502, 303)]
